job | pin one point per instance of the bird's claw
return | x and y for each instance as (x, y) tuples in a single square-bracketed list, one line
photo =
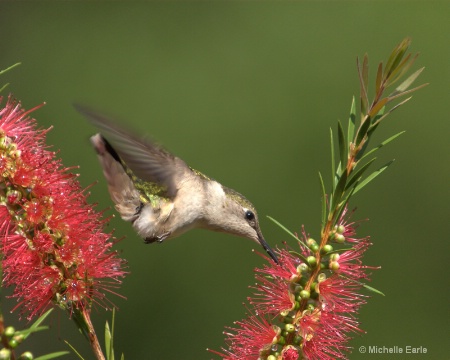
[(159, 238)]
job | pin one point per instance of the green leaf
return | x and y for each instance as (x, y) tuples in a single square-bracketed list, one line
[(375, 124), (401, 70), (362, 284), (324, 201), (35, 326), (287, 230), (109, 337), (365, 73), (29, 331), (379, 78), (108, 342), (357, 175), (370, 288), (122, 357), (351, 121), (372, 176), (395, 95), (396, 56), (342, 144), (385, 142), (113, 321), (80, 322), (363, 91), (300, 256), (362, 131), (333, 166), (9, 68), (342, 205), (52, 355), (377, 107), (408, 82), (339, 190), (74, 350), (4, 87)]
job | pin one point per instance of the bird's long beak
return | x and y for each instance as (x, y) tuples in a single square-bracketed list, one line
[(266, 247)]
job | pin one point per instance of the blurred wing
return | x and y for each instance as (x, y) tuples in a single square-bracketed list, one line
[(148, 161)]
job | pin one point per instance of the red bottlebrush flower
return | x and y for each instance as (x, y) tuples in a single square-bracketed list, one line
[(288, 269), (52, 242), (272, 296), (349, 262), (312, 296), (253, 339), (345, 230), (339, 294)]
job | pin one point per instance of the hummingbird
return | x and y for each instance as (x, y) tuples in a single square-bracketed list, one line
[(161, 195)]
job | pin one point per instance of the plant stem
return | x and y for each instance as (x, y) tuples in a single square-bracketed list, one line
[(92, 336)]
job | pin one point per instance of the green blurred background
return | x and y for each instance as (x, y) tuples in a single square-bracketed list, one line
[(245, 92)]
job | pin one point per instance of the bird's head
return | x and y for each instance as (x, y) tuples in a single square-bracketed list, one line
[(238, 216)]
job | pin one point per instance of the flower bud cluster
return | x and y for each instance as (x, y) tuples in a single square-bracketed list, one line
[(305, 307), (10, 340)]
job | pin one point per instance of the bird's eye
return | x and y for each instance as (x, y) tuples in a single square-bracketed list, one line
[(249, 215)]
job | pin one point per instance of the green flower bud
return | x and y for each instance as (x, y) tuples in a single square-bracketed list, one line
[(281, 340), (326, 249), (289, 328), (312, 261), (13, 343), (19, 338), (10, 331), (310, 242), (305, 294), (339, 238), (302, 267), (334, 257), (5, 354), (26, 356), (334, 265)]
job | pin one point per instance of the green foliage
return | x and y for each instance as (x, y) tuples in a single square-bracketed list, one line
[(11, 339), (6, 70), (287, 230), (109, 338), (52, 355), (350, 169)]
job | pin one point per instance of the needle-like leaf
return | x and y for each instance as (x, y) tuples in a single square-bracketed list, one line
[(351, 121), (357, 175), (385, 142), (324, 200), (342, 144), (287, 230), (52, 355), (372, 176)]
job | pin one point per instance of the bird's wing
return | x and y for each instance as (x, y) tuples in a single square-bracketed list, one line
[(147, 160)]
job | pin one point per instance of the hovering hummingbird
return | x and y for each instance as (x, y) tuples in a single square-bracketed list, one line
[(161, 195)]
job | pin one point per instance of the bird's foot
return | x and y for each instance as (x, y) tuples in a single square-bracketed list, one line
[(159, 239)]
